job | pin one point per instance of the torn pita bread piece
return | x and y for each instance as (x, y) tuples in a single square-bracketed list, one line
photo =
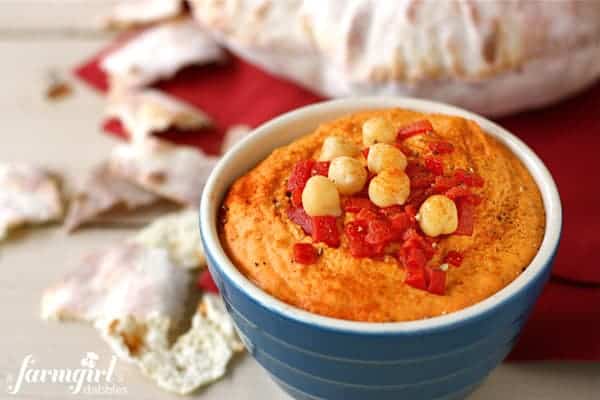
[(104, 192), (196, 358), (126, 279), (127, 14), (159, 53), (179, 234), (233, 135), (175, 172), (28, 195), (146, 111)]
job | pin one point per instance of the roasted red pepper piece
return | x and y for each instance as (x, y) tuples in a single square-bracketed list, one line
[(321, 168), (399, 224), (379, 232), (355, 204), (457, 192), (441, 147), (454, 258), (436, 279), (443, 183), (300, 217), (461, 192), (296, 198), (301, 172), (414, 128), (367, 214), (325, 230), (466, 217), (391, 210), (305, 253), (356, 232), (365, 152), (206, 282), (414, 264), (468, 178), (434, 165)]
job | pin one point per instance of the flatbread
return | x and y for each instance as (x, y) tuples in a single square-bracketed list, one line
[(197, 358), (174, 172), (179, 234), (233, 135), (28, 195), (125, 279), (493, 57), (146, 111), (159, 52), (128, 14), (104, 192)]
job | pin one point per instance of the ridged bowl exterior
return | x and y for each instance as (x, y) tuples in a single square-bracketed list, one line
[(312, 362), (312, 357)]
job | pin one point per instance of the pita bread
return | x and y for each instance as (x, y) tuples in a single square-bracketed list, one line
[(197, 358), (126, 279), (179, 234), (133, 13), (493, 57), (174, 172), (146, 111), (104, 192), (28, 195), (233, 135), (159, 52)]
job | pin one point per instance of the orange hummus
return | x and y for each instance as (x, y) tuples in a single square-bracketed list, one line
[(508, 228)]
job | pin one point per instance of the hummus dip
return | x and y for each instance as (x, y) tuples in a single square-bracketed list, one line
[(506, 225)]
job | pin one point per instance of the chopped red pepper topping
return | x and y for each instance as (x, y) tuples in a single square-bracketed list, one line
[(468, 178), (296, 198), (301, 172), (391, 210), (441, 147), (437, 280), (454, 258), (300, 217), (365, 152), (461, 192), (325, 230), (434, 165), (414, 128), (321, 168), (414, 263), (206, 282), (357, 232), (443, 183), (355, 204), (466, 216), (305, 253), (379, 232), (367, 214), (399, 224)]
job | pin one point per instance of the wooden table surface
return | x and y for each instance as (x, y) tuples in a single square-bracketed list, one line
[(41, 37)]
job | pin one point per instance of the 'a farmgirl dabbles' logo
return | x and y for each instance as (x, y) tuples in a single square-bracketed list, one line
[(88, 379)]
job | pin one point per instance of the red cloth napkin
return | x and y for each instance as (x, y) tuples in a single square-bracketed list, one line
[(566, 321)]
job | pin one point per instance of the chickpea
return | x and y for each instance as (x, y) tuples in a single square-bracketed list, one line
[(384, 156), (438, 216), (378, 130), (390, 187), (320, 197), (336, 146), (348, 174)]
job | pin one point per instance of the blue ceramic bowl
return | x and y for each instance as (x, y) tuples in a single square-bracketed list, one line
[(315, 357)]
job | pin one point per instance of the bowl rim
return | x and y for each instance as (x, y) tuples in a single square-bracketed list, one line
[(210, 204)]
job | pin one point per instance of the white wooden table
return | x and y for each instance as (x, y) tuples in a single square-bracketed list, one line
[(36, 37)]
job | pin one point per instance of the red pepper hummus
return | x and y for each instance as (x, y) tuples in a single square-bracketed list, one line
[(384, 216)]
